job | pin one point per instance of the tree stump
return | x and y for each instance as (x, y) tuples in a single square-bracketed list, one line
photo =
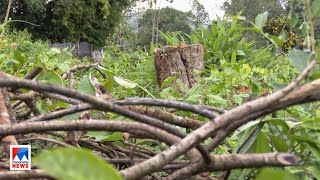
[(178, 62)]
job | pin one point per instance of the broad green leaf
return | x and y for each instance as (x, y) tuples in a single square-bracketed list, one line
[(19, 56), (124, 83), (315, 171), (50, 77), (274, 174), (261, 19), (315, 150), (215, 99), (299, 59), (293, 19), (262, 143), (72, 163), (312, 124), (304, 28), (107, 71), (86, 86), (315, 7), (279, 143)]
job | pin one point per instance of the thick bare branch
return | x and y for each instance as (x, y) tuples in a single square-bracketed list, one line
[(157, 162), (98, 104), (239, 161)]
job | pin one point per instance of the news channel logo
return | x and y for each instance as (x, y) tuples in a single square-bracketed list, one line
[(20, 157)]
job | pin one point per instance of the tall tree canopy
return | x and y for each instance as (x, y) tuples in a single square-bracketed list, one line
[(251, 8), (167, 20), (64, 20)]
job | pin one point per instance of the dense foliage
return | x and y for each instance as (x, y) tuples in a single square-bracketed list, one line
[(168, 20), (236, 72), (62, 20)]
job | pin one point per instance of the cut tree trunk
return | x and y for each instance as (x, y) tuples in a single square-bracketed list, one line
[(179, 62)]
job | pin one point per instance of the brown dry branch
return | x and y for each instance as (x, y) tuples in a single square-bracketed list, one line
[(198, 109), (241, 112), (45, 139), (99, 104), (33, 174), (236, 161), (167, 117), (6, 117), (96, 125)]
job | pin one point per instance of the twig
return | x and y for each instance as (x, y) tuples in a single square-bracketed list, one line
[(33, 174), (98, 104), (45, 139)]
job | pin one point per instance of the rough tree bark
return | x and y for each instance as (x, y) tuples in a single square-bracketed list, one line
[(178, 62)]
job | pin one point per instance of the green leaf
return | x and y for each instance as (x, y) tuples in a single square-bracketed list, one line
[(275, 173), (71, 163), (304, 28), (98, 135), (304, 139), (117, 136), (182, 86), (276, 40), (19, 56), (233, 57), (194, 98), (86, 86), (167, 81), (299, 59), (240, 53), (312, 124), (293, 19), (124, 83), (50, 77), (279, 143), (262, 143), (261, 19), (315, 171), (315, 7), (215, 99), (314, 149)]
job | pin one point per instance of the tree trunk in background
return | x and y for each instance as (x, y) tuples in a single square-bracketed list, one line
[(178, 62)]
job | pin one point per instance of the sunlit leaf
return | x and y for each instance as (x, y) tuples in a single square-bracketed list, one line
[(124, 83), (86, 86), (315, 171), (19, 57), (72, 163), (312, 124), (261, 19), (50, 77)]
